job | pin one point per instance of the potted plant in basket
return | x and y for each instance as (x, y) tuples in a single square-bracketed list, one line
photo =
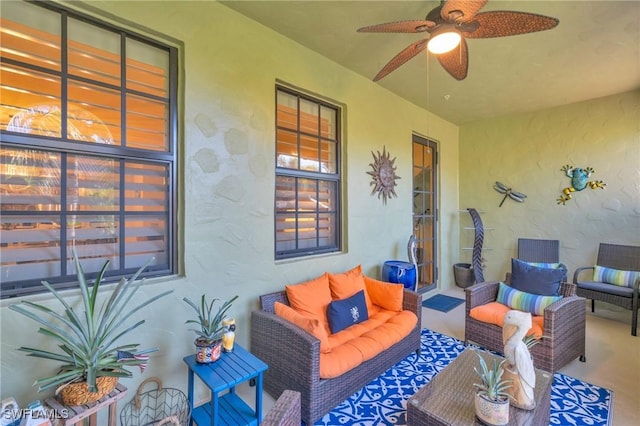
[(92, 359), (491, 400), (209, 334)]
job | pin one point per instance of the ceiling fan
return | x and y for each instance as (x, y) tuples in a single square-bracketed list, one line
[(450, 24)]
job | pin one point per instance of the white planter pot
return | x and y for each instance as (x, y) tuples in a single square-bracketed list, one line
[(490, 412)]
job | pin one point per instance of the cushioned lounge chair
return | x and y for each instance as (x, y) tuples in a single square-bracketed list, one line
[(563, 337), (613, 256)]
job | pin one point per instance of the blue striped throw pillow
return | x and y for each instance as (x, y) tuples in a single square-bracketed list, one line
[(615, 276), (523, 301)]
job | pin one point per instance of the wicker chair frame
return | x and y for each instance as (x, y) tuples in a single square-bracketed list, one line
[(563, 336), (293, 356), (285, 411), (564, 321), (532, 250), (614, 256)]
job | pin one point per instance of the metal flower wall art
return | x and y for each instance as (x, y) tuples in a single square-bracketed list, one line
[(508, 192), (579, 181), (383, 175)]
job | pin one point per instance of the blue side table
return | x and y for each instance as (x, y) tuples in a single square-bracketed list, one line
[(397, 271), (221, 377)]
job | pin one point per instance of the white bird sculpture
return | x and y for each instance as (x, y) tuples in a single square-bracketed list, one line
[(412, 249), (519, 364)]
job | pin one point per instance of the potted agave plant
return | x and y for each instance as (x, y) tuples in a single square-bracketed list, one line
[(92, 357), (210, 327), (492, 399)]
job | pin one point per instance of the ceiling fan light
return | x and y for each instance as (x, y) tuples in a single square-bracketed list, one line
[(443, 42)]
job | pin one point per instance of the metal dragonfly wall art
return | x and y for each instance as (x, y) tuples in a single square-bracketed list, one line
[(508, 192)]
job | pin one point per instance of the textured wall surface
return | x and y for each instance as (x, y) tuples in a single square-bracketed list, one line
[(229, 71), (527, 152)]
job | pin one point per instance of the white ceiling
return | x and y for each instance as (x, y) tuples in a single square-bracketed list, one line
[(593, 52)]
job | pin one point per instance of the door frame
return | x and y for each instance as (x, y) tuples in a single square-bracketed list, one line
[(432, 216)]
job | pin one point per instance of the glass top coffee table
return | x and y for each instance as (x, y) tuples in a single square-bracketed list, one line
[(448, 398)]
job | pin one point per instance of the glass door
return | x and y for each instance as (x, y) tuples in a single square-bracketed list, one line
[(425, 210)]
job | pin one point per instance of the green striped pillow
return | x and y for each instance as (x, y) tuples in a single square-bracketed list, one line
[(615, 276), (523, 301)]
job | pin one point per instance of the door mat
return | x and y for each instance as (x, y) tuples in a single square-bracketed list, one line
[(442, 303)]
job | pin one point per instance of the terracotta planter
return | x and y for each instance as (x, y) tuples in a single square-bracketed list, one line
[(490, 412), (207, 351), (78, 393)]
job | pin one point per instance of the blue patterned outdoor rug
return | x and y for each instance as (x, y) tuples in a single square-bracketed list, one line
[(384, 400), (442, 302)]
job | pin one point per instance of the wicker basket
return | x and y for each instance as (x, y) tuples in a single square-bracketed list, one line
[(161, 406), (78, 393)]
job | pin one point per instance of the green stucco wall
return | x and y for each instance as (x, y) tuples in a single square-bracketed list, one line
[(526, 152), (229, 72)]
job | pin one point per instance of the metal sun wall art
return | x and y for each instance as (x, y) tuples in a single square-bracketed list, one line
[(508, 192), (579, 181), (383, 175)]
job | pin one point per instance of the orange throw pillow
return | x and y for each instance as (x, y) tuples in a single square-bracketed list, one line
[(311, 325), (388, 296), (347, 284), (311, 298)]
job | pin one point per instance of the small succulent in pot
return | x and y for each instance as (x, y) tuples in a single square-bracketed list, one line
[(492, 399), (210, 327), (89, 337)]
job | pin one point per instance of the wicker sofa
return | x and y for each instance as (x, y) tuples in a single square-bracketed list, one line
[(293, 356)]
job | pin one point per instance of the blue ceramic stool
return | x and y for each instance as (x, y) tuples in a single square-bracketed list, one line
[(397, 271)]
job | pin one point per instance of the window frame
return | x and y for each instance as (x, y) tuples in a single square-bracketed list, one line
[(120, 153), (319, 177)]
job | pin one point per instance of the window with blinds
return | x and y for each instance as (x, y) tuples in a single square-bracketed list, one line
[(307, 213), (88, 150)]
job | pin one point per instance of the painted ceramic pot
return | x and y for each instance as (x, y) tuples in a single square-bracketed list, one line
[(490, 412), (208, 352)]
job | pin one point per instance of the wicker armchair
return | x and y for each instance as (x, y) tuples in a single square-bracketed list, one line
[(285, 411), (563, 337), (614, 256), (564, 321)]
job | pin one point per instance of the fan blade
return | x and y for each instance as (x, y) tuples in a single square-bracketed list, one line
[(461, 10), (507, 23), (456, 62), (409, 52), (417, 26)]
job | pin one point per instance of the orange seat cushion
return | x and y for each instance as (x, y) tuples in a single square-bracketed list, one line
[(357, 330), (340, 360), (493, 313), (311, 298), (363, 341), (386, 295), (397, 328), (311, 325)]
